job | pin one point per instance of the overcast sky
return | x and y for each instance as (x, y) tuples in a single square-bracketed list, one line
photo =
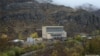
[(74, 3)]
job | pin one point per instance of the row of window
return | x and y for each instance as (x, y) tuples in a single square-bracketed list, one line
[(54, 30)]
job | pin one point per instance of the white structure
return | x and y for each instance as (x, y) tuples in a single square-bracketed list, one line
[(37, 40), (92, 55), (53, 32), (30, 41), (18, 40)]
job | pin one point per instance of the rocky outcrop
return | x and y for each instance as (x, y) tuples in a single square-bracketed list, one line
[(22, 14)]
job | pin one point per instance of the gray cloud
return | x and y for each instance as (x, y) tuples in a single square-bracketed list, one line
[(84, 4), (75, 3)]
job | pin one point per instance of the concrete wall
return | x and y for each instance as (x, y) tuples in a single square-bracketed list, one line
[(47, 35)]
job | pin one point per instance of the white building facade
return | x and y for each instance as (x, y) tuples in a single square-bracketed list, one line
[(30, 41), (53, 32)]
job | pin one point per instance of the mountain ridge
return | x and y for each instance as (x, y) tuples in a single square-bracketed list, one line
[(22, 14)]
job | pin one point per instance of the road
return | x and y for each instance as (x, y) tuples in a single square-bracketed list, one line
[(33, 52)]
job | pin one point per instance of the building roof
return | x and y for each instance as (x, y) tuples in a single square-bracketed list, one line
[(53, 26)]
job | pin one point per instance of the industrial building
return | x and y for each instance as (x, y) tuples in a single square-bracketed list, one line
[(54, 32)]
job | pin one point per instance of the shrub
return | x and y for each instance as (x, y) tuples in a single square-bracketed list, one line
[(41, 46), (35, 47), (11, 53), (78, 38), (3, 54), (54, 53), (17, 50)]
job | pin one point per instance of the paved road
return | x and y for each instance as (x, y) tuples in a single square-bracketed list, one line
[(33, 52)]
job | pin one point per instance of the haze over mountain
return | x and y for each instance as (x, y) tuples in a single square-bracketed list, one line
[(74, 3), (24, 15)]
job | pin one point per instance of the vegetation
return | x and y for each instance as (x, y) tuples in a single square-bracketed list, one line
[(63, 49), (3, 42), (76, 46), (34, 35), (78, 38), (18, 18), (73, 47), (17, 51), (36, 15), (93, 46), (54, 53)]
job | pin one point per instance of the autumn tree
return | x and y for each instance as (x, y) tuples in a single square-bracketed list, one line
[(78, 38), (34, 35), (54, 53), (3, 41), (93, 46)]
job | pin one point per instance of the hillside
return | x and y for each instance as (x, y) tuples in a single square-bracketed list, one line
[(24, 15)]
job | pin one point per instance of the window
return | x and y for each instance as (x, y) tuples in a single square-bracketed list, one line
[(56, 35), (54, 29)]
